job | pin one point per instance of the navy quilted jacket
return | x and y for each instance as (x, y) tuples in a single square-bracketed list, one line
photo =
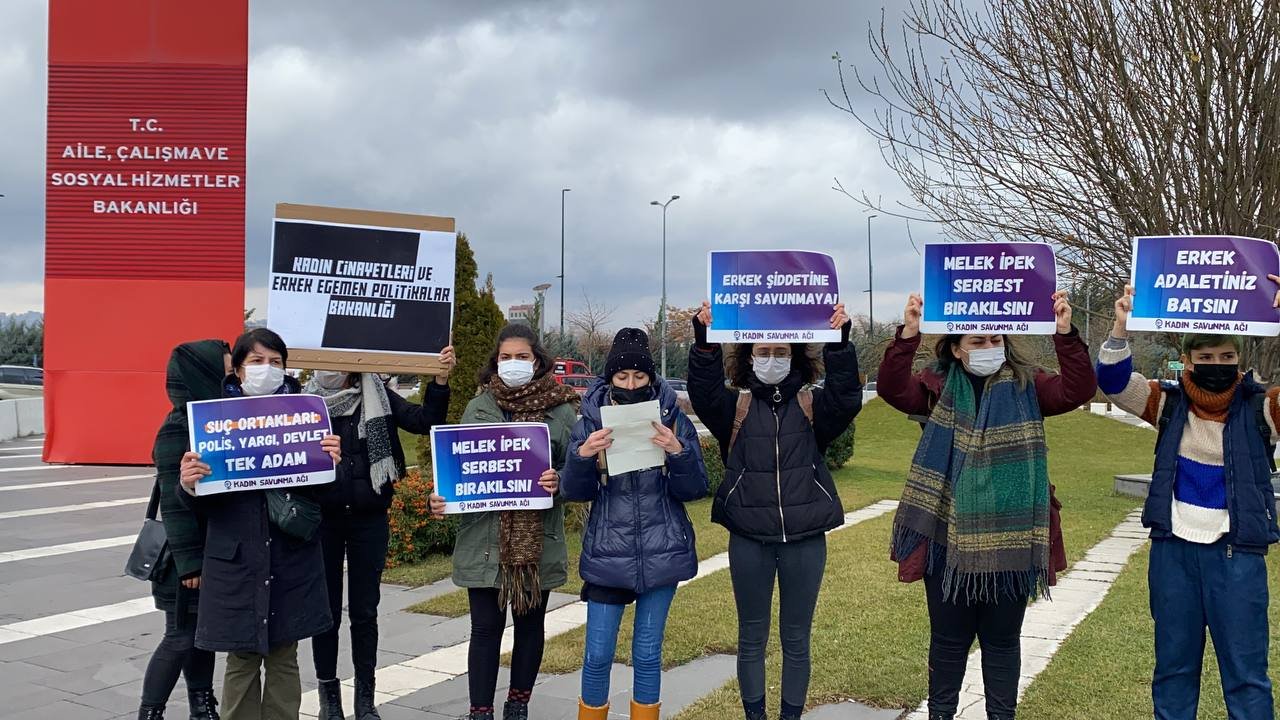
[(638, 536)]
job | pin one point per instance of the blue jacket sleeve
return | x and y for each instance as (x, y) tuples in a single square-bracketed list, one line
[(1113, 377), (686, 472), (579, 478)]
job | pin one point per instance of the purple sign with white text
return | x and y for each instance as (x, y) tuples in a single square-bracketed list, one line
[(998, 287), (491, 467), (778, 296), (258, 443)]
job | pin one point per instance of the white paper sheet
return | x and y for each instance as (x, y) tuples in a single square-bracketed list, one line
[(633, 432)]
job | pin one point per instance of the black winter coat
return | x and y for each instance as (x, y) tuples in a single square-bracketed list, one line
[(352, 491), (777, 487), (259, 588)]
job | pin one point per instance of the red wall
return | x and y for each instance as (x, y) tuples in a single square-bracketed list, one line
[(124, 284)]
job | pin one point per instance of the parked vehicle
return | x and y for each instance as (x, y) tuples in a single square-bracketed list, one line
[(579, 382), (566, 366), (18, 381)]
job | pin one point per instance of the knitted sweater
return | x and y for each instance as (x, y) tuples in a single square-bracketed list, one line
[(1199, 513)]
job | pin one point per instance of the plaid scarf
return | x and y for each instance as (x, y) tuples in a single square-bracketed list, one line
[(520, 531), (370, 398), (978, 489)]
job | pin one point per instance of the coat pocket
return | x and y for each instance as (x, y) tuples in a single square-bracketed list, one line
[(221, 547)]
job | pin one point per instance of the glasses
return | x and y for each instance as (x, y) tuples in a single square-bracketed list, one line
[(779, 353)]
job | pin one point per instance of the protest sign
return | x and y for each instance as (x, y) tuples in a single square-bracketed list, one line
[(360, 290), (632, 447), (999, 287), (260, 443), (491, 466), (1214, 284), (778, 296)]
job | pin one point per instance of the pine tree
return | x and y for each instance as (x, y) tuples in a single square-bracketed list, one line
[(476, 322)]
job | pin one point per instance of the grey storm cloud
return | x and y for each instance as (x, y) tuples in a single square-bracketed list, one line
[(483, 111)]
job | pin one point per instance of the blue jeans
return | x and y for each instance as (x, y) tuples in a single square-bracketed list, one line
[(1195, 586), (646, 647)]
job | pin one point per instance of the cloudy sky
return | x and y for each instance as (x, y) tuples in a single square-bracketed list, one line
[(483, 111)]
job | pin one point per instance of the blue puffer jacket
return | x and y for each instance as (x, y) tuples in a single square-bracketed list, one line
[(638, 536)]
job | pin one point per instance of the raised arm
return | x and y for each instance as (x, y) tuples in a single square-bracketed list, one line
[(896, 383), (1129, 390), (712, 402), (419, 419), (1075, 383), (840, 398)]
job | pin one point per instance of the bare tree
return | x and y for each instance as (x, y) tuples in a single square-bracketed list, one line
[(589, 322), (1079, 122)]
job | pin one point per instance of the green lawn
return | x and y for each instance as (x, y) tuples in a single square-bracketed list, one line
[(424, 572), (1103, 671)]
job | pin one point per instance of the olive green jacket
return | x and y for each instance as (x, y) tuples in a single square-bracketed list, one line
[(475, 552)]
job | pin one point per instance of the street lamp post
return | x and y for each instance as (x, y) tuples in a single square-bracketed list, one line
[(539, 304), (662, 312), (871, 293), (561, 276)]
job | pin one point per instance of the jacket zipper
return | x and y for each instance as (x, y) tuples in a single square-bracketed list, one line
[(777, 469), (735, 487), (635, 514), (819, 484)]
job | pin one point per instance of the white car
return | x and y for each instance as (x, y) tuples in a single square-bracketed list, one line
[(18, 381)]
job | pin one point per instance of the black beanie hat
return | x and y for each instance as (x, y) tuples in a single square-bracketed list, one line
[(630, 351)]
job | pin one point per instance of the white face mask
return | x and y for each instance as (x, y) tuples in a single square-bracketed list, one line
[(772, 370), (262, 379), (986, 361), (330, 379), (515, 373)]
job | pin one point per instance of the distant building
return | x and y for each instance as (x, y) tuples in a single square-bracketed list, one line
[(524, 313)]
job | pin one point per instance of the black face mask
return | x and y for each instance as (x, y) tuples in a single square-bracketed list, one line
[(1215, 378), (623, 396)]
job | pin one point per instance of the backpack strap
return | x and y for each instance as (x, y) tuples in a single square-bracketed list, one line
[(1166, 414), (805, 398), (740, 414)]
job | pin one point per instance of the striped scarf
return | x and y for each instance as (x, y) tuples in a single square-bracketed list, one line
[(369, 397), (978, 490)]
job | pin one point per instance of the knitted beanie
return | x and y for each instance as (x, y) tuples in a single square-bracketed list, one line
[(630, 351)]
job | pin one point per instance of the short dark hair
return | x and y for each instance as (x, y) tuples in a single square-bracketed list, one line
[(740, 367), (543, 362), (257, 336), (1195, 341)]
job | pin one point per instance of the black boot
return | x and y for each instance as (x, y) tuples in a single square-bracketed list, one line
[(204, 706), (151, 712), (757, 716), (942, 716), (486, 715), (330, 692), (515, 710), (365, 708)]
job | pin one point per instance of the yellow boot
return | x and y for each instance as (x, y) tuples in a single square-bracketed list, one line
[(645, 712), (586, 712)]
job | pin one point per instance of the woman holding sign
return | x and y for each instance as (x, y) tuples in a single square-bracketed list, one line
[(262, 586), (778, 499), (978, 520), (513, 557), (638, 543), (353, 527)]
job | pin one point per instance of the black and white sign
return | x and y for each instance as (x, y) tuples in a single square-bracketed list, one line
[(337, 286)]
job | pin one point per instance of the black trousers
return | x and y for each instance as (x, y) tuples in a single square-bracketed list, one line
[(998, 627), (487, 624), (361, 540), (176, 655)]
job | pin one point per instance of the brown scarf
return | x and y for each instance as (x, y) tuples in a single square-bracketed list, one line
[(1207, 405), (520, 531)]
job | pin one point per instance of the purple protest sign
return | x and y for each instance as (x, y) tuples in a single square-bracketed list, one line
[(255, 443), (1214, 284), (1002, 287), (777, 296), (491, 467)]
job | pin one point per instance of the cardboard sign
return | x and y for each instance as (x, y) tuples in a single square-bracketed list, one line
[(999, 287), (1214, 284), (362, 291), (772, 296), (260, 443), (491, 467)]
